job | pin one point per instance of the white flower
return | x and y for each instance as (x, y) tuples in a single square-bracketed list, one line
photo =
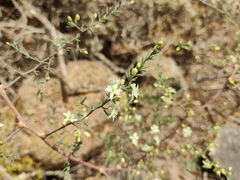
[(116, 81), (170, 90), (113, 90), (156, 139), (1, 125), (138, 117), (187, 131), (134, 138), (135, 91), (167, 100), (146, 148), (69, 117), (154, 129), (113, 114)]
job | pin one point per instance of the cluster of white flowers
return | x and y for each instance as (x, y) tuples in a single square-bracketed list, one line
[(115, 90)]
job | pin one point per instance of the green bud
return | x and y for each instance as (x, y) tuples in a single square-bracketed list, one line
[(104, 18), (162, 172), (191, 112), (137, 172), (183, 150), (87, 134), (231, 80), (122, 160), (69, 18), (159, 44), (64, 123), (95, 15), (77, 133), (118, 98), (78, 138), (122, 82), (134, 71), (47, 77), (8, 43), (197, 58), (139, 64), (83, 51), (77, 17), (183, 126), (97, 26), (216, 48), (135, 101)]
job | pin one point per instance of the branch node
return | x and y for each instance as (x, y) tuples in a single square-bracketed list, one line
[(42, 135), (102, 170), (21, 125), (3, 87)]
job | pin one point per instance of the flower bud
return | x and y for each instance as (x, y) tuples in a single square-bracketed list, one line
[(231, 80), (47, 77), (118, 98), (134, 71), (69, 18), (78, 138), (97, 26), (139, 64), (77, 17), (122, 82), (122, 160), (87, 134), (159, 44), (84, 51), (64, 123)]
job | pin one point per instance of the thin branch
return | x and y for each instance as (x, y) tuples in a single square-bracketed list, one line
[(31, 70), (219, 10), (11, 135), (70, 123), (55, 34), (71, 157), (14, 110)]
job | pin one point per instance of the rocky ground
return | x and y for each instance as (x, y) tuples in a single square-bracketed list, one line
[(203, 54)]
